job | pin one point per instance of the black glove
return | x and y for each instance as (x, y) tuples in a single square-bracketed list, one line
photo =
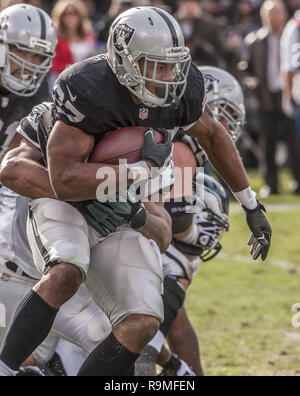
[(158, 154), (260, 240)]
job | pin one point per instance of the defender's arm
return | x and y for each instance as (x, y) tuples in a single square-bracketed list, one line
[(21, 171), (158, 225)]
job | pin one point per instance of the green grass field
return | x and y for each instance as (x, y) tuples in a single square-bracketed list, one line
[(241, 309)]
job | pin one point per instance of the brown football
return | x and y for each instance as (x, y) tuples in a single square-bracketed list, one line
[(124, 143), (185, 169)]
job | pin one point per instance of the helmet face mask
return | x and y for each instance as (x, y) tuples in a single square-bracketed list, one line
[(30, 75), (20, 75), (165, 92), (234, 116), (141, 41), (216, 209), (225, 98)]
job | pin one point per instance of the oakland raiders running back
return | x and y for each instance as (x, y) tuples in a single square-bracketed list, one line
[(25, 59), (127, 286)]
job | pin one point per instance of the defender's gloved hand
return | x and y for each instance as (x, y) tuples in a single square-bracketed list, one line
[(260, 240), (158, 154), (107, 217), (133, 213)]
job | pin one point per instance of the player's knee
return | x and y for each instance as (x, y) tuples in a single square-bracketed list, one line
[(60, 283), (149, 326), (145, 327)]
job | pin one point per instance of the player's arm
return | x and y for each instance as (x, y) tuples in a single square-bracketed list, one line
[(21, 171), (74, 179), (226, 160), (13, 144), (221, 150), (158, 225)]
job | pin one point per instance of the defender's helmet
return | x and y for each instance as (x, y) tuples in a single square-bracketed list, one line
[(216, 209), (225, 98), (29, 29), (151, 34)]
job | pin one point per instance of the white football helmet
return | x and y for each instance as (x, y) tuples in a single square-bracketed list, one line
[(215, 211), (27, 28), (151, 34), (225, 98)]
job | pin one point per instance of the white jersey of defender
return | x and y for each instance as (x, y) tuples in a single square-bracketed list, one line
[(14, 244)]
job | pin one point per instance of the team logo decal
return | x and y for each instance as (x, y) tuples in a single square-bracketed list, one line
[(4, 102), (122, 36), (210, 82), (144, 113)]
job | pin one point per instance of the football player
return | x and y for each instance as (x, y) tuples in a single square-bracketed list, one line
[(79, 320), (145, 80), (194, 237), (25, 58)]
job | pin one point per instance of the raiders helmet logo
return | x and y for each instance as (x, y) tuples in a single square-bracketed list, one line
[(210, 82), (143, 113), (122, 36), (4, 102)]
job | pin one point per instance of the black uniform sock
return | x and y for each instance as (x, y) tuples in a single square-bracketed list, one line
[(145, 366), (110, 358), (173, 298), (30, 325)]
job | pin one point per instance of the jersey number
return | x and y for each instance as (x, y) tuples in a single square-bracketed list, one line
[(72, 113)]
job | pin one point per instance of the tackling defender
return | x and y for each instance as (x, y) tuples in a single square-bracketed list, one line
[(25, 59), (161, 79)]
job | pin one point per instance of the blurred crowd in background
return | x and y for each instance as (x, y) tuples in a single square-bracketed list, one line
[(241, 36)]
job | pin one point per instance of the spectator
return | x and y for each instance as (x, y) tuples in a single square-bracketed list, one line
[(293, 6), (35, 3), (96, 11), (76, 40), (7, 3), (247, 23), (290, 68), (203, 35), (263, 64), (218, 9), (116, 8)]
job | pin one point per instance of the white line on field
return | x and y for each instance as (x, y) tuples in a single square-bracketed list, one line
[(274, 207), (286, 265)]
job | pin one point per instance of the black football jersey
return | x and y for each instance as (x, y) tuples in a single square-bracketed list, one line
[(13, 108), (88, 96), (30, 124)]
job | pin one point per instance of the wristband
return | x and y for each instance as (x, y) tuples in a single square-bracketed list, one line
[(247, 198)]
